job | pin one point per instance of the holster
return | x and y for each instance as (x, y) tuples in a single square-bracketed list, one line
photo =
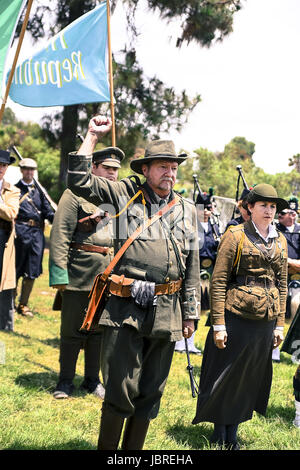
[(98, 297), (89, 223)]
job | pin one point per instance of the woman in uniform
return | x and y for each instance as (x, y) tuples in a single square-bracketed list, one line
[(248, 301)]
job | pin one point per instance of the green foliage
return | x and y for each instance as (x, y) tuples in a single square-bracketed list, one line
[(29, 140), (202, 21), (145, 107), (213, 169), (218, 170)]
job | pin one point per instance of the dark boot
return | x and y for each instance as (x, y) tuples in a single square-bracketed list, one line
[(219, 435), (27, 286), (231, 437), (135, 433), (111, 426)]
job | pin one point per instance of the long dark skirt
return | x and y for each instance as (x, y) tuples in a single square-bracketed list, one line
[(292, 340), (236, 381)]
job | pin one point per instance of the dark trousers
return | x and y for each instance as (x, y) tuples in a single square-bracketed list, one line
[(135, 369), (72, 340)]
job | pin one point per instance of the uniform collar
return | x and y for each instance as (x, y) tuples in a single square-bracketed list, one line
[(155, 198), (27, 184), (272, 232)]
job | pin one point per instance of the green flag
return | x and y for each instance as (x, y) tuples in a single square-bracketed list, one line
[(10, 11)]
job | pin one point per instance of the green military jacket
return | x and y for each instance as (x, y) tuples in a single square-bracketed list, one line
[(166, 252), (76, 268), (239, 257)]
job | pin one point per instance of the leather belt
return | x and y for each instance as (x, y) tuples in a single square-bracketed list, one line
[(121, 286), (264, 282), (90, 248), (30, 222)]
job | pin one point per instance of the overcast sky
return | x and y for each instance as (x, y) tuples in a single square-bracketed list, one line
[(249, 83)]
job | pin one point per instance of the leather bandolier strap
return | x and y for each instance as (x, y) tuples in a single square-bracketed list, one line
[(90, 248)]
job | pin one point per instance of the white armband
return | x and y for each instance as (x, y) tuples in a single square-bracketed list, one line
[(219, 327)]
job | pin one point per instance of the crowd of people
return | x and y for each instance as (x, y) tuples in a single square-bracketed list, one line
[(133, 264)]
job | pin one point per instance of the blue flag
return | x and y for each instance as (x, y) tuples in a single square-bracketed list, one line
[(70, 69)]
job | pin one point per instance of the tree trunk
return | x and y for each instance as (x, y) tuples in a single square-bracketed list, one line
[(68, 140)]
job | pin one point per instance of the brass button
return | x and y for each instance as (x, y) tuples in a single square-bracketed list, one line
[(171, 263), (167, 279)]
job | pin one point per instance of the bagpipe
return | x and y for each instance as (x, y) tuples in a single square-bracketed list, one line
[(245, 191), (208, 200)]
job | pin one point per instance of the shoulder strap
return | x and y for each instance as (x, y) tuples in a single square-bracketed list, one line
[(239, 251), (24, 197), (137, 232)]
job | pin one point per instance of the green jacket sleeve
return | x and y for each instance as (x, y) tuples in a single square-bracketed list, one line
[(63, 227), (95, 189)]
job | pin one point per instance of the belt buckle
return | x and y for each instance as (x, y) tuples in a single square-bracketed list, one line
[(172, 287), (31, 222)]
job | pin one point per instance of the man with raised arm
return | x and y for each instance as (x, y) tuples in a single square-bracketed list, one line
[(154, 292)]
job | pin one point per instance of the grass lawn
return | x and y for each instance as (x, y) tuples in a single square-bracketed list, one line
[(32, 419)]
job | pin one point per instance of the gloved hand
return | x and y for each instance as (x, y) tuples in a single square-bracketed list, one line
[(143, 293), (220, 339), (278, 338)]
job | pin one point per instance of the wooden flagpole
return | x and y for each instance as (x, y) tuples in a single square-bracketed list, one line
[(10, 78), (111, 82)]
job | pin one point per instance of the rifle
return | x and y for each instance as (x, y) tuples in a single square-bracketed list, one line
[(194, 387), (196, 187), (37, 184)]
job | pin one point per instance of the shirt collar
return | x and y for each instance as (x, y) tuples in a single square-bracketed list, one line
[(27, 184), (272, 232), (155, 198)]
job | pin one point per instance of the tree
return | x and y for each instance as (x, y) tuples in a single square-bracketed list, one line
[(29, 140), (141, 103), (240, 148)]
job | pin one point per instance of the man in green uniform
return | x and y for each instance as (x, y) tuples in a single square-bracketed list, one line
[(80, 248), (142, 323)]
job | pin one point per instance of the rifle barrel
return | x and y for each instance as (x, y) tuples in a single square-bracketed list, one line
[(39, 186)]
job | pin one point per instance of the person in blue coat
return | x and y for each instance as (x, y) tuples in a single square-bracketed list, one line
[(287, 224), (30, 240)]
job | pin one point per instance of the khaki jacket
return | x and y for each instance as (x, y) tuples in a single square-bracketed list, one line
[(8, 211), (254, 302)]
